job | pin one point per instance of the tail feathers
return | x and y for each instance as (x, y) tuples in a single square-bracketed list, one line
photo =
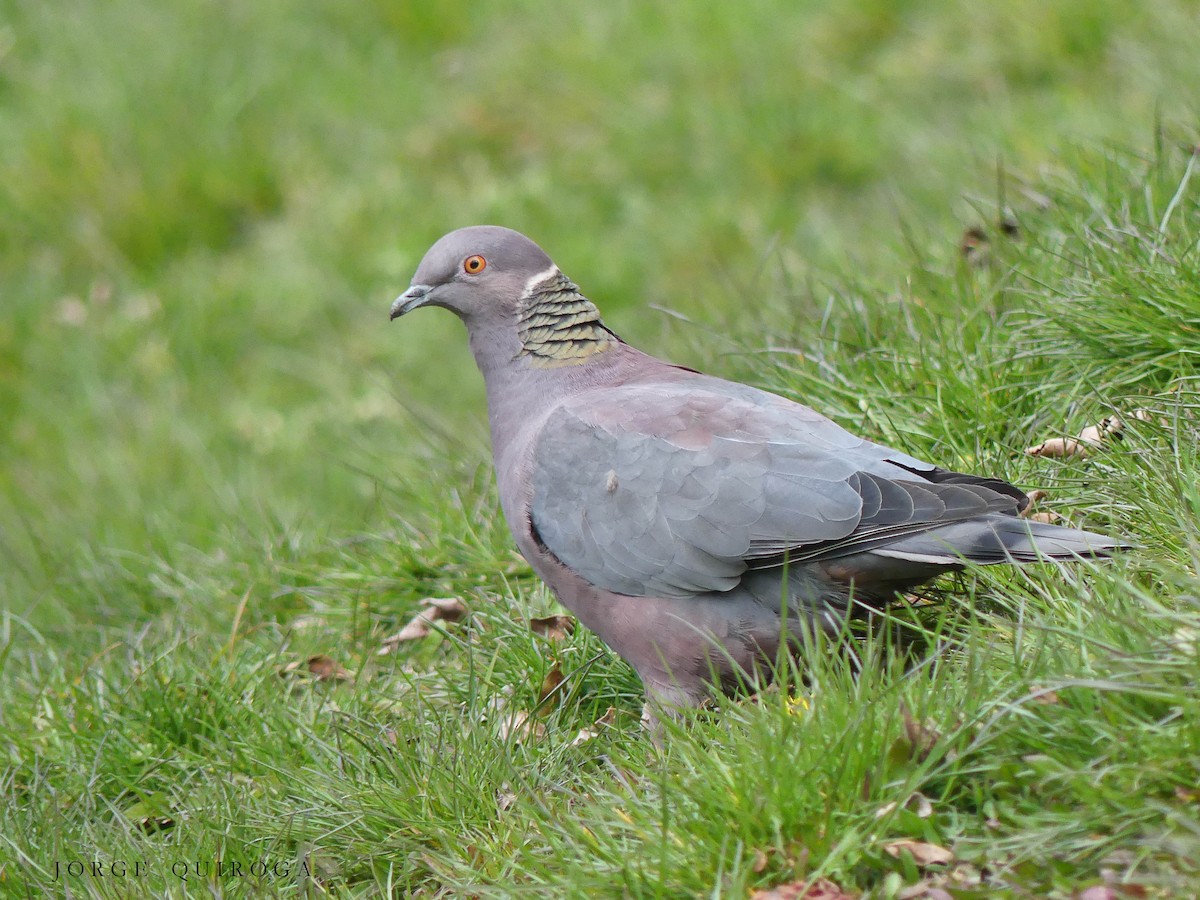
[(1000, 539)]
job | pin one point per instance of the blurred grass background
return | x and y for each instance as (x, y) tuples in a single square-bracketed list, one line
[(207, 208), (217, 457)]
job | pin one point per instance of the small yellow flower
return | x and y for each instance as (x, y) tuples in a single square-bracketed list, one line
[(797, 705)]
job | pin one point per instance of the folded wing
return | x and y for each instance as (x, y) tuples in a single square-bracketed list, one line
[(670, 489)]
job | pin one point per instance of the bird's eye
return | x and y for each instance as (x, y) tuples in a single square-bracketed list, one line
[(473, 265)]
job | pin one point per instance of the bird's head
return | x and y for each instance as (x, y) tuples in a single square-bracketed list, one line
[(477, 273)]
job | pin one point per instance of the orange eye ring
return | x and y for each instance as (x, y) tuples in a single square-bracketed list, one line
[(473, 265)]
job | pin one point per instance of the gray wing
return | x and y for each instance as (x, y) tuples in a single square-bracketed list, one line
[(673, 489)]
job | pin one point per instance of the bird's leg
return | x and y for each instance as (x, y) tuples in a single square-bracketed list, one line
[(666, 701)]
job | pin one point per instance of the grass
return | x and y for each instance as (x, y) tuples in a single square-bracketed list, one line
[(217, 461)]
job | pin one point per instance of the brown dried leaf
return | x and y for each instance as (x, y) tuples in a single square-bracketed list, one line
[(1043, 695), (973, 245), (887, 809), (437, 609), (497, 703), (760, 862), (1033, 498), (553, 628), (326, 668), (917, 803), (933, 886), (923, 854), (1123, 888), (1109, 426), (1186, 795), (821, 889), (1059, 447), (605, 721), (320, 666), (520, 727), (925, 890), (505, 797), (922, 736), (1145, 415), (1091, 437), (550, 696), (1036, 496), (1046, 518), (965, 874)]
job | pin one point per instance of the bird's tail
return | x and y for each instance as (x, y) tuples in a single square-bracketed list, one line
[(1000, 539)]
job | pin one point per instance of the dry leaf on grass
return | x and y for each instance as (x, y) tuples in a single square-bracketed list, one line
[(586, 734), (505, 797), (1035, 497), (553, 628), (1146, 415), (920, 805), (320, 667), (1058, 447), (925, 890), (1112, 881), (974, 246), (1109, 426), (1043, 695), (326, 668), (1088, 439), (1186, 795), (917, 804), (1046, 516), (517, 725), (923, 854), (520, 726), (821, 889), (934, 885), (437, 609), (550, 696), (918, 740)]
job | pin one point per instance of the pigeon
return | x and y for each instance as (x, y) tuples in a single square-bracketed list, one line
[(697, 524)]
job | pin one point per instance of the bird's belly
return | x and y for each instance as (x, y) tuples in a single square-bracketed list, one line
[(683, 647)]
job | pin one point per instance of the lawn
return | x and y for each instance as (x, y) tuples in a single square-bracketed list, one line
[(226, 481)]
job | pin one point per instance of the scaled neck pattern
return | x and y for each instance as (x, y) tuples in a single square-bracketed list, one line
[(557, 325)]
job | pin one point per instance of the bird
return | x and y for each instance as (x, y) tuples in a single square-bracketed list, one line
[(697, 525)]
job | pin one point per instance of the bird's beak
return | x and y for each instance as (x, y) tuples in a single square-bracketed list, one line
[(415, 296)]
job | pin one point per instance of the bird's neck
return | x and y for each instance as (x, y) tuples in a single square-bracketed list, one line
[(556, 347), (558, 326)]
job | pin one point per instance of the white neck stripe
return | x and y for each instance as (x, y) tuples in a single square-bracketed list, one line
[(539, 278)]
